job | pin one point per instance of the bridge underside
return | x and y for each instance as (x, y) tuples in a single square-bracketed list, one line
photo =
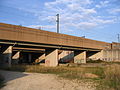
[(13, 52), (20, 45)]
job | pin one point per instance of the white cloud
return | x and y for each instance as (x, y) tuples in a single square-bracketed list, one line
[(115, 11), (74, 15), (42, 27), (86, 25), (35, 26), (102, 4), (103, 21), (89, 11), (45, 27), (98, 6)]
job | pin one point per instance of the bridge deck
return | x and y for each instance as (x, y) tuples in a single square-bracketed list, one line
[(19, 33)]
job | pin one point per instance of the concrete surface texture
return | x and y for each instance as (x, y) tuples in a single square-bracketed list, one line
[(19, 33), (80, 57), (51, 58), (7, 54), (36, 81)]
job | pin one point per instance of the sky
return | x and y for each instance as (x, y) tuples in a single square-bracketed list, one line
[(94, 19)]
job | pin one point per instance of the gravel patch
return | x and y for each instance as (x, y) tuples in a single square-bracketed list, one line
[(38, 81)]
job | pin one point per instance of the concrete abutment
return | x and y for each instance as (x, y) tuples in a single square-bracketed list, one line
[(6, 56), (80, 57), (51, 57)]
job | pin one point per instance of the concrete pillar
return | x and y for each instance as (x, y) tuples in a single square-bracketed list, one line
[(51, 57), (29, 57), (111, 56), (85, 57), (16, 57), (80, 57), (102, 55), (66, 56), (40, 58), (119, 54), (114, 55), (107, 54), (95, 55), (6, 52)]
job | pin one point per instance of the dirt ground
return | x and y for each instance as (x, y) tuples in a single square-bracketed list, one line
[(38, 81)]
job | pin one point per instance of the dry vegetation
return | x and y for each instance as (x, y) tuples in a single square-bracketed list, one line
[(112, 78), (106, 77)]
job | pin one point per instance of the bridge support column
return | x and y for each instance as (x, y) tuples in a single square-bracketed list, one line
[(6, 54), (66, 56), (29, 57), (16, 57), (80, 57), (51, 57), (95, 55), (40, 58)]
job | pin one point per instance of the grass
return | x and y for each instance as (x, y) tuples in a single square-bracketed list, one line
[(62, 71), (112, 77), (107, 77)]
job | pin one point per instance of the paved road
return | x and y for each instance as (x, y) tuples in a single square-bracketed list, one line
[(37, 81)]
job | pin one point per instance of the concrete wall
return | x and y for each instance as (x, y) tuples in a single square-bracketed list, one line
[(66, 56), (80, 57), (40, 58), (95, 55), (16, 57), (6, 56), (51, 57), (111, 55)]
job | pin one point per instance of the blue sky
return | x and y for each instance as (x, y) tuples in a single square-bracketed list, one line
[(94, 19)]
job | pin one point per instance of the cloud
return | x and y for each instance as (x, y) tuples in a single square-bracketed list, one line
[(103, 21), (115, 11), (45, 27), (74, 15), (102, 4), (86, 25)]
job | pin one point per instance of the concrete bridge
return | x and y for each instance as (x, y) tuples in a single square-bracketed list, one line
[(50, 46)]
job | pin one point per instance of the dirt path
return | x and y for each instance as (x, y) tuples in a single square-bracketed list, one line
[(37, 81)]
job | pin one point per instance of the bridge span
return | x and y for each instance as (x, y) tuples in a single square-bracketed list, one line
[(53, 46)]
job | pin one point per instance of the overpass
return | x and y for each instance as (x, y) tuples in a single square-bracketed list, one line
[(50, 43)]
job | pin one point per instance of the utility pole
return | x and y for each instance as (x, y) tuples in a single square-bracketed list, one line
[(118, 38), (57, 23), (83, 36), (40, 28)]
